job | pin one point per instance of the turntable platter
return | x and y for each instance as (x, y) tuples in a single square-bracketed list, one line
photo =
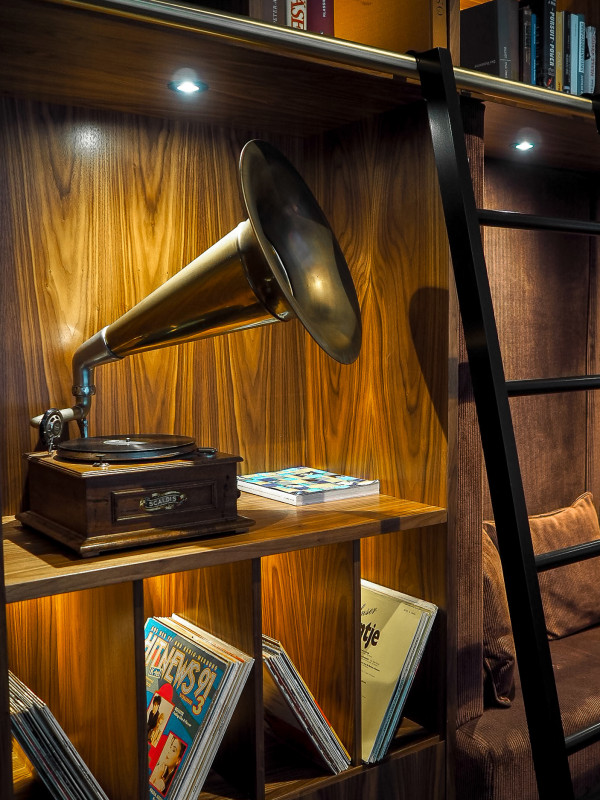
[(145, 447)]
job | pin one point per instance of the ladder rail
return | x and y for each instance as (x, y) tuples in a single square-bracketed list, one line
[(495, 422)]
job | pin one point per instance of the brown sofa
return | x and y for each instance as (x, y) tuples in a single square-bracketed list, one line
[(493, 753)]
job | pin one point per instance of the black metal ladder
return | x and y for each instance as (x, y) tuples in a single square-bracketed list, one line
[(550, 748)]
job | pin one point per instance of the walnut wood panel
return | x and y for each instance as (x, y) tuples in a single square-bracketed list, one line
[(36, 566), (310, 605), (101, 209), (69, 55), (76, 652), (540, 286), (225, 600), (386, 415)]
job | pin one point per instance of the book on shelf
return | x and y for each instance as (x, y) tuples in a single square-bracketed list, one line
[(193, 683), (320, 17), (589, 63), (525, 44), (575, 51), (292, 712), (315, 16), (56, 761), (534, 45), (296, 14), (394, 629), (305, 485), (545, 43), (270, 11), (489, 38), (560, 51)]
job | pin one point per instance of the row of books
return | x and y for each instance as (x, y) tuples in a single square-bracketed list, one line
[(194, 681), (530, 41), (315, 16)]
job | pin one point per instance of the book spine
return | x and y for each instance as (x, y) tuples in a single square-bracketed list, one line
[(534, 48), (589, 76), (547, 52), (560, 52), (525, 44), (581, 54), (295, 14), (567, 52), (574, 51), (266, 11), (503, 39), (319, 17)]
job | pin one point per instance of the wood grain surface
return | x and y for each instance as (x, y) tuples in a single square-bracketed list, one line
[(83, 669), (99, 207), (541, 290), (310, 604), (37, 566)]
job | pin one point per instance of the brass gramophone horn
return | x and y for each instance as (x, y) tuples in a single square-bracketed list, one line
[(282, 262)]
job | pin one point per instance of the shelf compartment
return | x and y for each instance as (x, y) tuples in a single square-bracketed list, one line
[(85, 671), (36, 567)]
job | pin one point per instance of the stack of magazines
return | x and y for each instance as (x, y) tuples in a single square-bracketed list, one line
[(293, 713), (57, 762), (394, 628), (193, 683)]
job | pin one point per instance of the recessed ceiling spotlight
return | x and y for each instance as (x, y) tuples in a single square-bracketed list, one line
[(523, 145), (187, 86), (185, 81)]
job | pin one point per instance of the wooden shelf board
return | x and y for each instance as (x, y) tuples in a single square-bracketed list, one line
[(35, 566), (73, 56), (120, 56), (294, 779)]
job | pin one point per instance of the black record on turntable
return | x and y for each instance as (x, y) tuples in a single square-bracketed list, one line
[(109, 449)]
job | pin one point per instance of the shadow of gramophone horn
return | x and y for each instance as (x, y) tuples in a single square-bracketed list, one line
[(282, 262)]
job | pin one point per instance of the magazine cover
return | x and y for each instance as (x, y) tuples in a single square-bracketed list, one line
[(303, 485), (394, 628), (182, 682)]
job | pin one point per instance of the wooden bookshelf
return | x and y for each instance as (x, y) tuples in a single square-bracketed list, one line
[(109, 184)]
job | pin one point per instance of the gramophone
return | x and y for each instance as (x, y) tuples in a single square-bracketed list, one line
[(103, 493)]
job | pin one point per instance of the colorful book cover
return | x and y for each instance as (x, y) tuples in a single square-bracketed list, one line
[(182, 683), (303, 485)]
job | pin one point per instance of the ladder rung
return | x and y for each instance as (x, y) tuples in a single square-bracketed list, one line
[(583, 738), (576, 383), (567, 555), (511, 219)]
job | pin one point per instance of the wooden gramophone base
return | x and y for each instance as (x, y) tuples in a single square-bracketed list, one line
[(93, 509)]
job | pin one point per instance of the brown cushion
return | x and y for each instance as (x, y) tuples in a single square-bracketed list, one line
[(570, 594), (498, 643)]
